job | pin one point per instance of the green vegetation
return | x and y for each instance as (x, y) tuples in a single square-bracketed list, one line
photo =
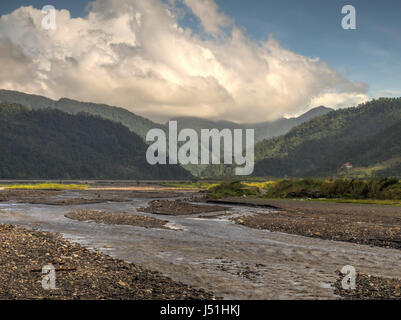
[(47, 186), (380, 189), (231, 189), (135, 123), (319, 145), (141, 126), (50, 144), (369, 191), (366, 136), (362, 201)]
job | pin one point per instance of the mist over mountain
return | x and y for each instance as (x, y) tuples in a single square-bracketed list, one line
[(263, 130)]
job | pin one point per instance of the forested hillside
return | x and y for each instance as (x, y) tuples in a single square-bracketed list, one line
[(366, 136), (319, 143), (135, 123), (50, 144)]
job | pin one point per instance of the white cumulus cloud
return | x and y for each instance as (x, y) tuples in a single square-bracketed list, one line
[(135, 54)]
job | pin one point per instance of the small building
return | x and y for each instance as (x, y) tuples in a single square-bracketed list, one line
[(348, 166)]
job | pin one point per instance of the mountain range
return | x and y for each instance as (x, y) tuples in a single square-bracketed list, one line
[(140, 125), (318, 143), (263, 130)]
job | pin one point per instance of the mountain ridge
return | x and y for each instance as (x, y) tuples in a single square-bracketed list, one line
[(263, 130), (141, 125), (137, 124)]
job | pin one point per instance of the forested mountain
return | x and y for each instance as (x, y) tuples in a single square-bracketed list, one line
[(263, 130), (141, 125), (135, 123), (35, 144), (50, 144), (366, 136)]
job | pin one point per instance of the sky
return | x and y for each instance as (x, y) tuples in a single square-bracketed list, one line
[(218, 59)]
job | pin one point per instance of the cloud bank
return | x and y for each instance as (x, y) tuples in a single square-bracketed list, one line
[(136, 54)]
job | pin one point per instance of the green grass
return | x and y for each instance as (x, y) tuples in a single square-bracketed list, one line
[(376, 191), (46, 186), (362, 201), (363, 189), (232, 189)]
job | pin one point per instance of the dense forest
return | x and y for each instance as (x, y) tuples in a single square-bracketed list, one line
[(50, 144), (135, 123), (367, 137)]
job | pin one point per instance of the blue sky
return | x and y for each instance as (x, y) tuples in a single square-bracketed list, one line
[(286, 85), (371, 54)]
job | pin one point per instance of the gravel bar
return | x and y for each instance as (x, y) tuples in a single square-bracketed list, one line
[(116, 218), (80, 273)]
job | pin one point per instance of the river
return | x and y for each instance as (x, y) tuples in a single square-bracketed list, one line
[(233, 261)]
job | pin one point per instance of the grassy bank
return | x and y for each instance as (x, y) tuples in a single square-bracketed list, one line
[(46, 186), (361, 201), (378, 189), (373, 191), (232, 189)]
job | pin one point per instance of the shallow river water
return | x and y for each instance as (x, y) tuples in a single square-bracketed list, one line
[(233, 261)]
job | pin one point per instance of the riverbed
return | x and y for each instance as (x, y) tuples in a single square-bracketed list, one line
[(209, 250)]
